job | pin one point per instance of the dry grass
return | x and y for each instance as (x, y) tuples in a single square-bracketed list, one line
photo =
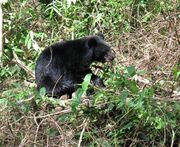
[(154, 48), (27, 130)]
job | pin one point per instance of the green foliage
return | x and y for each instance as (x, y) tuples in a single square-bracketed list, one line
[(130, 111), (17, 100), (176, 72), (80, 91), (69, 19), (41, 99), (8, 71)]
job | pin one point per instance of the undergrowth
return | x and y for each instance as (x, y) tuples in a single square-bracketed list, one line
[(140, 104), (121, 114)]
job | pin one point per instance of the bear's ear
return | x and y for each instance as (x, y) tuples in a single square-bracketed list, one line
[(101, 35), (92, 43)]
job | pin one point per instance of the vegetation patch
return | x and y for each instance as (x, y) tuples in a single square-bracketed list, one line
[(140, 104)]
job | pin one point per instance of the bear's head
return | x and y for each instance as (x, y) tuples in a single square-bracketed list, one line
[(101, 50)]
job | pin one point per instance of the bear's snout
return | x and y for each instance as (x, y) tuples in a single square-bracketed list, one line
[(110, 56)]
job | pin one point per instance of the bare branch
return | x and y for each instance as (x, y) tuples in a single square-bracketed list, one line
[(23, 66)]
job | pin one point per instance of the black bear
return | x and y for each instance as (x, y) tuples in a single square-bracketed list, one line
[(63, 65)]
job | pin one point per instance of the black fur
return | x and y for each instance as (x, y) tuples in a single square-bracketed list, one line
[(63, 65)]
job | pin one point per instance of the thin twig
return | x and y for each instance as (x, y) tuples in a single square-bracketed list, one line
[(60, 131), (56, 84), (172, 140), (38, 129), (23, 66), (56, 113), (167, 99), (82, 132)]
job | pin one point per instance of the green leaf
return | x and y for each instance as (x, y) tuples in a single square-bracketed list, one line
[(27, 39), (3, 100), (131, 70), (176, 71), (123, 97), (132, 86), (17, 50), (127, 126), (29, 43), (86, 82), (42, 92), (80, 91), (77, 99)]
